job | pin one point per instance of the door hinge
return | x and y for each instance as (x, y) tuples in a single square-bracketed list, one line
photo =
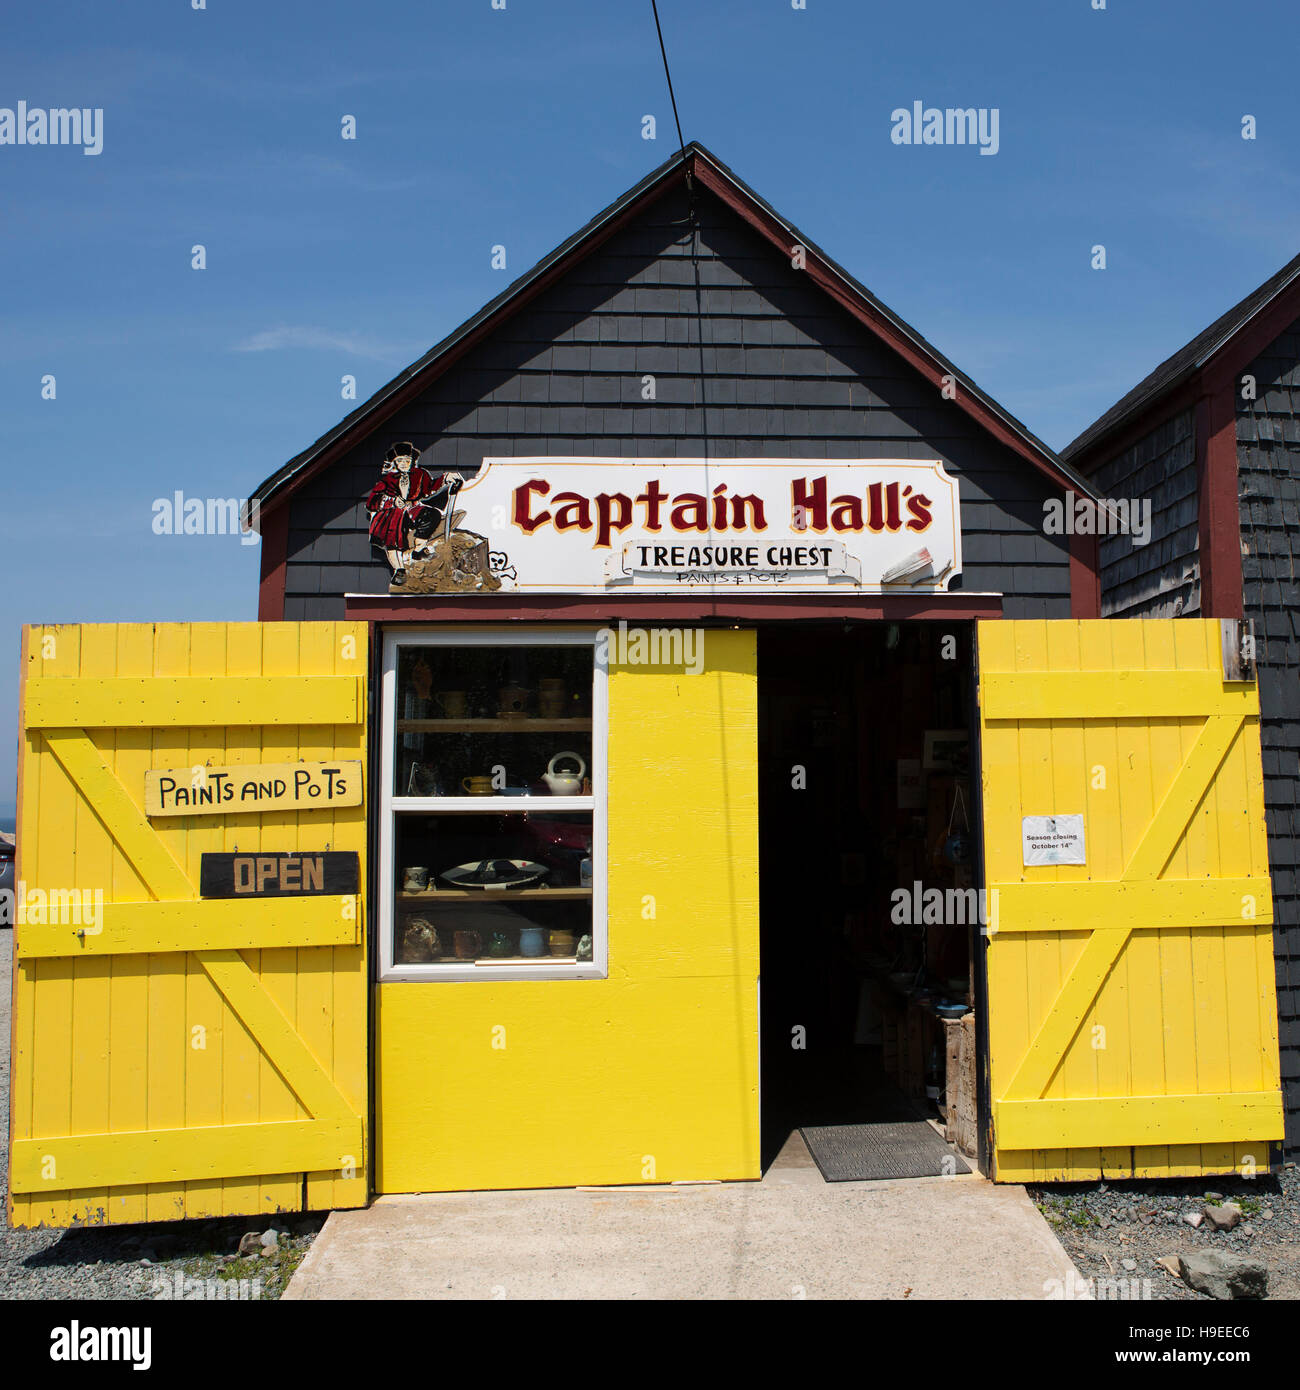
[(1237, 636)]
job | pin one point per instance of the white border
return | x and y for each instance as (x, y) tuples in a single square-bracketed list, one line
[(598, 804)]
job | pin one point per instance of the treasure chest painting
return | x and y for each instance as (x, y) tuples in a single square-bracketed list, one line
[(414, 521)]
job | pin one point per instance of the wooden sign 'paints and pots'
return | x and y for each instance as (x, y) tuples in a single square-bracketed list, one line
[(302, 874), (256, 787)]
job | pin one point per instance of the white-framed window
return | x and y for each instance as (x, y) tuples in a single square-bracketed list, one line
[(492, 806)]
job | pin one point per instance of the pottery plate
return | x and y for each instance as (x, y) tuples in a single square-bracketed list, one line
[(492, 873)]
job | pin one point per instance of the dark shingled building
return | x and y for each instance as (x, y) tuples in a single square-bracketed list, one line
[(751, 355)]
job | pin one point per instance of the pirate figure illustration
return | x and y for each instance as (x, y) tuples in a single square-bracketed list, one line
[(414, 521), (406, 506)]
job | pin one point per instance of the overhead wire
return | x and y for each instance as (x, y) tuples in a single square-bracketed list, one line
[(695, 254), (671, 97)]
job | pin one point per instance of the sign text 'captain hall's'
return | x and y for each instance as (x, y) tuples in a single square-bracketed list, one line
[(880, 506)]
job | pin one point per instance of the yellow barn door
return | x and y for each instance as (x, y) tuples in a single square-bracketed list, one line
[(1132, 1019), (178, 1055)]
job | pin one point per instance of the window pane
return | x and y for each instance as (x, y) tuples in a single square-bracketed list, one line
[(484, 721), (493, 888)]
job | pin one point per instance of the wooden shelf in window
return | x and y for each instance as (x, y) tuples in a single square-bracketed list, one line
[(492, 895), (501, 726)]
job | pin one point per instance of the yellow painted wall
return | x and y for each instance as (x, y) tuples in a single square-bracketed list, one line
[(652, 1073)]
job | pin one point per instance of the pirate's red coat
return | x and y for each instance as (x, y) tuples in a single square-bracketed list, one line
[(388, 518)]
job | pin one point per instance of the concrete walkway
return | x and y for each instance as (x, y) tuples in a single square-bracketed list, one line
[(790, 1236)]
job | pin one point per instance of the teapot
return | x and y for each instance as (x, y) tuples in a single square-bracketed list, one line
[(564, 783)]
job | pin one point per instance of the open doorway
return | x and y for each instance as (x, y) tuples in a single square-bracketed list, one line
[(866, 808)]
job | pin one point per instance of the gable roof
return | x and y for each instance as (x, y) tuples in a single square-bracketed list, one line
[(694, 163), (1186, 362)]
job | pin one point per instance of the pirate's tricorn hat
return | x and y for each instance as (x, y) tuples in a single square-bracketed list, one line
[(402, 450)]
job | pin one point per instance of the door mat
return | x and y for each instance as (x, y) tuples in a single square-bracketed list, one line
[(870, 1153)]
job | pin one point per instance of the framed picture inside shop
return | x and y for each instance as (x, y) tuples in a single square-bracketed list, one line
[(492, 831)]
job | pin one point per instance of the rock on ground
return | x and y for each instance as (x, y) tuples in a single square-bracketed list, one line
[(1224, 1216), (1221, 1274)]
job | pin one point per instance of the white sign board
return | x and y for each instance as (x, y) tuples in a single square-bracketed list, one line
[(1052, 840), (795, 525)]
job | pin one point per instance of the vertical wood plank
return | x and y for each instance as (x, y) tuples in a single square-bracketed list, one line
[(129, 1025), (92, 871), (315, 967), (277, 969), (168, 1040), (206, 1013), (22, 1011), (241, 1061), (49, 863)]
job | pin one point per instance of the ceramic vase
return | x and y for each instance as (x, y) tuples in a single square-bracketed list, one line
[(532, 941)]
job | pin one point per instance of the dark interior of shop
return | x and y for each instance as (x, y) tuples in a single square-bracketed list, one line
[(864, 805)]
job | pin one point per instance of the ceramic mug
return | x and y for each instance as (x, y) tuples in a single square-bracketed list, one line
[(531, 941), (414, 880), (478, 786), (512, 699), (561, 943), (466, 944), (454, 703)]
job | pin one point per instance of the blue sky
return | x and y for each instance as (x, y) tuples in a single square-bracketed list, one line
[(478, 126)]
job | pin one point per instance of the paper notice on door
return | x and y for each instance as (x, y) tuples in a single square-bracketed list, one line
[(1052, 840)]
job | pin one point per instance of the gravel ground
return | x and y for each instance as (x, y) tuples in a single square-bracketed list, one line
[(1103, 1224), (143, 1261)]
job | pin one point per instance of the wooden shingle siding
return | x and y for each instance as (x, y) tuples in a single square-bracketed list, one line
[(1163, 578), (1268, 469), (749, 359)]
